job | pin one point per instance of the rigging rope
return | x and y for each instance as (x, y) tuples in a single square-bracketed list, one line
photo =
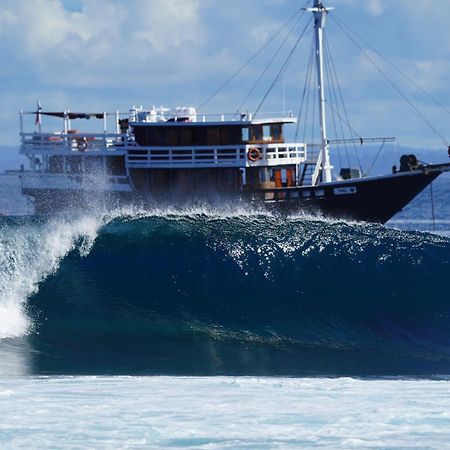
[(394, 86), (403, 74), (376, 158), (277, 53), (305, 91), (283, 68), (334, 98), (433, 215), (333, 67), (245, 65)]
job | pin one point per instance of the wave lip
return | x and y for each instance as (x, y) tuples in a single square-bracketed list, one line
[(30, 250)]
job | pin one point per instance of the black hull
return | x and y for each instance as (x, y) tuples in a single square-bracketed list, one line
[(375, 199), (369, 200)]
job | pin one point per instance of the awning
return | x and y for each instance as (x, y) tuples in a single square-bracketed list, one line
[(72, 116)]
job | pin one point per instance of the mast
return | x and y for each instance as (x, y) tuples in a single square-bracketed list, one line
[(320, 13)]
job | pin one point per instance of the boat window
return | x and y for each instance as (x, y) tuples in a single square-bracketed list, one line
[(55, 164), (245, 134), (266, 133), (275, 132), (256, 133)]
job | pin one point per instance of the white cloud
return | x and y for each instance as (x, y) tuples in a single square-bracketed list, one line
[(166, 23), (112, 53), (375, 7)]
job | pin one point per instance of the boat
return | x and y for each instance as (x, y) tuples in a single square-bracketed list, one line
[(158, 156)]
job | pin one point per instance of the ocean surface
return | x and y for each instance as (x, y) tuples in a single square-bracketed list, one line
[(224, 328)]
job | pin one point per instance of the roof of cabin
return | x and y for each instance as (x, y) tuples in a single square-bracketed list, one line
[(241, 123)]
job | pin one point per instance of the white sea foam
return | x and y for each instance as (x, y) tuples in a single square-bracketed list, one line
[(223, 413), (29, 252)]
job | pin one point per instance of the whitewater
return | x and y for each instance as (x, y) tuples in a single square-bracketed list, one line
[(228, 328)]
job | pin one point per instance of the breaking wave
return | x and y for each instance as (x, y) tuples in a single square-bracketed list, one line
[(204, 292)]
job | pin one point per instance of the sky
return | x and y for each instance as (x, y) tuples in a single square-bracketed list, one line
[(108, 55)]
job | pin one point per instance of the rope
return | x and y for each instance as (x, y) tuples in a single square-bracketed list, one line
[(271, 39), (305, 90), (394, 86), (376, 158), (333, 66), (333, 98), (269, 63), (403, 74), (283, 68), (433, 216)]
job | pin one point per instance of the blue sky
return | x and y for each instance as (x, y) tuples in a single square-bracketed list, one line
[(96, 55)]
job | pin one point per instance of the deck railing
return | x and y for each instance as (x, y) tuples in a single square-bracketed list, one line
[(223, 156), (36, 143), (257, 155)]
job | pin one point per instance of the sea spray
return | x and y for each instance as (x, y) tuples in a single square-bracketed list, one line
[(31, 249)]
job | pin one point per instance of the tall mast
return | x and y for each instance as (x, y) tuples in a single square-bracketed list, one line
[(320, 14)]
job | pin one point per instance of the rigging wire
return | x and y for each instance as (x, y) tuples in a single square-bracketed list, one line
[(305, 89), (390, 63), (277, 53), (433, 210), (352, 132), (376, 158), (308, 90), (245, 65), (333, 98), (394, 86), (283, 68)]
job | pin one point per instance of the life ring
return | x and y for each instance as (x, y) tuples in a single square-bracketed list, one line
[(254, 154)]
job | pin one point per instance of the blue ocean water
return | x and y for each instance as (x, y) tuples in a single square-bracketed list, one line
[(87, 301)]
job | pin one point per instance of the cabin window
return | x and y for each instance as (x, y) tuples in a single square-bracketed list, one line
[(55, 164), (245, 134), (256, 133), (266, 133), (275, 132)]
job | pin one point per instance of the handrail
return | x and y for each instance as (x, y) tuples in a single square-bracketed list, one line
[(210, 156), (36, 142)]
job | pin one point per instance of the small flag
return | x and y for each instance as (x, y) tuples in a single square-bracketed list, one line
[(38, 113)]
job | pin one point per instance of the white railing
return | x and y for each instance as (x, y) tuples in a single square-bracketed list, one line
[(277, 154), (220, 156), (60, 143), (186, 157)]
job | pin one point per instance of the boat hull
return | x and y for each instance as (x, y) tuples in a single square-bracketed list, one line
[(375, 199)]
